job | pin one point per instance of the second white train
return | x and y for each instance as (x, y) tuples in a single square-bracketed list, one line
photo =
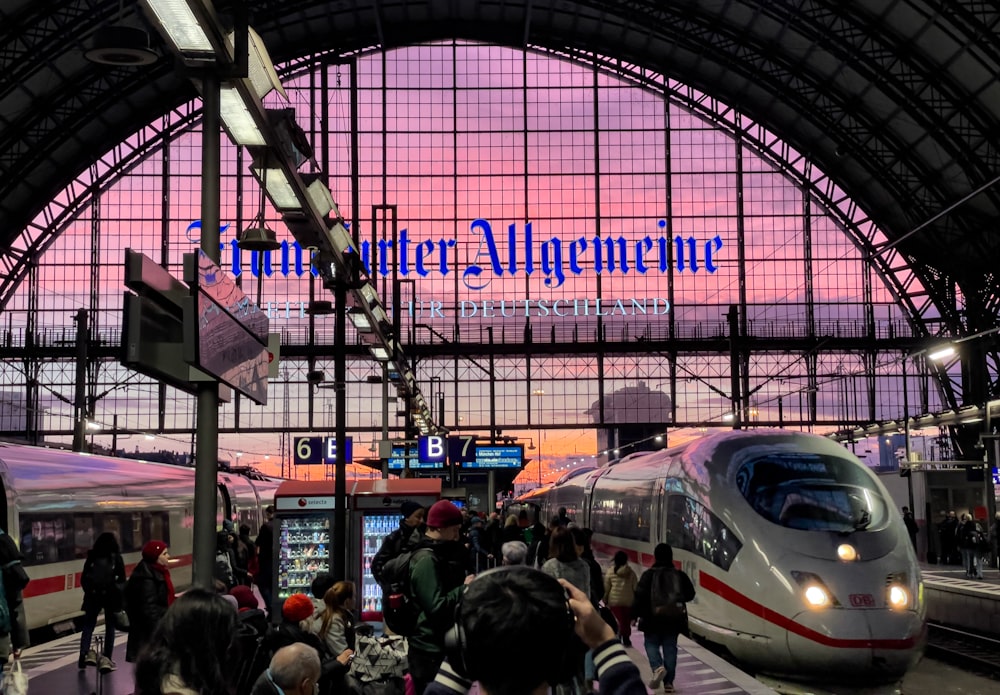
[(802, 564)]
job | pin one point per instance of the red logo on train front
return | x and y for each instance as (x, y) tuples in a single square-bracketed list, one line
[(862, 600), (302, 501)]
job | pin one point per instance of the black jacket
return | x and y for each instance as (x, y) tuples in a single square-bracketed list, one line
[(332, 671), (145, 603), (107, 598), (642, 608)]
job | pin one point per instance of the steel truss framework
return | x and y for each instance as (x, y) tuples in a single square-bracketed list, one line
[(840, 366)]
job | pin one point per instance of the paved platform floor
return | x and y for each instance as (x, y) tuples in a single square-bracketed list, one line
[(52, 670)]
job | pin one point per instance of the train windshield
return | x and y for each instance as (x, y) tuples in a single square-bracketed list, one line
[(812, 492)]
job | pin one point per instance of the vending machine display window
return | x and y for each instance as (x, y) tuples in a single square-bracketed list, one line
[(303, 551), (374, 529)]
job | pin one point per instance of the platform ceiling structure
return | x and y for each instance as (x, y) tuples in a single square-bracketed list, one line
[(898, 101)]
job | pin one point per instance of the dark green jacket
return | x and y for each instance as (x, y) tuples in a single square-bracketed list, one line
[(436, 581)]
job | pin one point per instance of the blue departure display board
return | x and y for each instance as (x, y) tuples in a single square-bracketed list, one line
[(396, 459), (494, 456)]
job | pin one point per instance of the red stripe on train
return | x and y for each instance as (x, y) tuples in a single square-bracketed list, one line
[(42, 586), (728, 593), (723, 590)]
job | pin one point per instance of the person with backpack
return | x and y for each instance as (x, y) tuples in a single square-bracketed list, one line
[(659, 606), (103, 583), (437, 575), (409, 535)]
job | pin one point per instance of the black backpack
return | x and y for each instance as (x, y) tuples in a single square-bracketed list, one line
[(665, 599), (399, 611), (254, 656), (99, 577)]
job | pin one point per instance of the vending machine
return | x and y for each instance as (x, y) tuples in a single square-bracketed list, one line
[(303, 531), (375, 514)]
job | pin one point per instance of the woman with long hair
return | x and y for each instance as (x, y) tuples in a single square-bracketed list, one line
[(103, 581), (619, 594), (193, 650), (335, 624)]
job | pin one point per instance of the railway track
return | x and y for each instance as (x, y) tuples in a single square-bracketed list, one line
[(970, 651)]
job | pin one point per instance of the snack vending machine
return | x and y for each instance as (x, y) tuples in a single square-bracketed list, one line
[(303, 533)]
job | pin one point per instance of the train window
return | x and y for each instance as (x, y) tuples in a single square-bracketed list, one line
[(110, 523), (622, 508), (156, 526), (46, 538), (812, 492), (83, 534), (692, 527)]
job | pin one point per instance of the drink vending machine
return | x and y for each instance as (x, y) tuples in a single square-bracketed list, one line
[(376, 508), (304, 532)]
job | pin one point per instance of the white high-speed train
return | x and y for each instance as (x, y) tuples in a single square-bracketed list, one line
[(801, 562), (56, 503)]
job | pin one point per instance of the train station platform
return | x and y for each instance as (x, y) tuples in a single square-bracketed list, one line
[(956, 600), (52, 668)]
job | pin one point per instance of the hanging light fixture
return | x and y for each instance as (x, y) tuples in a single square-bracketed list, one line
[(120, 45), (258, 237)]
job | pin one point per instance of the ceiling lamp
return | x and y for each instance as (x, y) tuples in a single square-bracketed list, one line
[(120, 45)]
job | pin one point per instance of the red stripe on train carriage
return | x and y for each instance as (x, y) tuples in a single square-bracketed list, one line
[(740, 600), (41, 586)]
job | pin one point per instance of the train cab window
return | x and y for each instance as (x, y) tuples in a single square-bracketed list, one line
[(46, 538), (692, 527), (812, 492)]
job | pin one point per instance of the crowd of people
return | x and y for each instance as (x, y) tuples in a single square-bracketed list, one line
[(966, 541), (478, 586)]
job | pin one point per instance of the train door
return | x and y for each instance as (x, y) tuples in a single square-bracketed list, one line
[(226, 504), (5, 522)]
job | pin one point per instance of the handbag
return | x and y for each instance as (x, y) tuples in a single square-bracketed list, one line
[(16, 682), (378, 658), (121, 620)]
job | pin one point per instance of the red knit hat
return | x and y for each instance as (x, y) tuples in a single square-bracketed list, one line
[(443, 514), (152, 550), (297, 607), (244, 596)]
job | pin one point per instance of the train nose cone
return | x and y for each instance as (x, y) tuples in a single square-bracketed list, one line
[(862, 646)]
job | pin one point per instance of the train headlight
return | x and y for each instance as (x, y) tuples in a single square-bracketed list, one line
[(846, 552), (899, 597), (817, 596), (815, 591)]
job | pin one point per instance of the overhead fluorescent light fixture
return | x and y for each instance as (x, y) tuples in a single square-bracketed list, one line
[(343, 244), (237, 119), (321, 197), (360, 320), (941, 353), (260, 68), (278, 188), (380, 353), (177, 22)]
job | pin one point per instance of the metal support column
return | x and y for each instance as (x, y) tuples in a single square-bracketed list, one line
[(340, 479), (206, 467), (80, 395)]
